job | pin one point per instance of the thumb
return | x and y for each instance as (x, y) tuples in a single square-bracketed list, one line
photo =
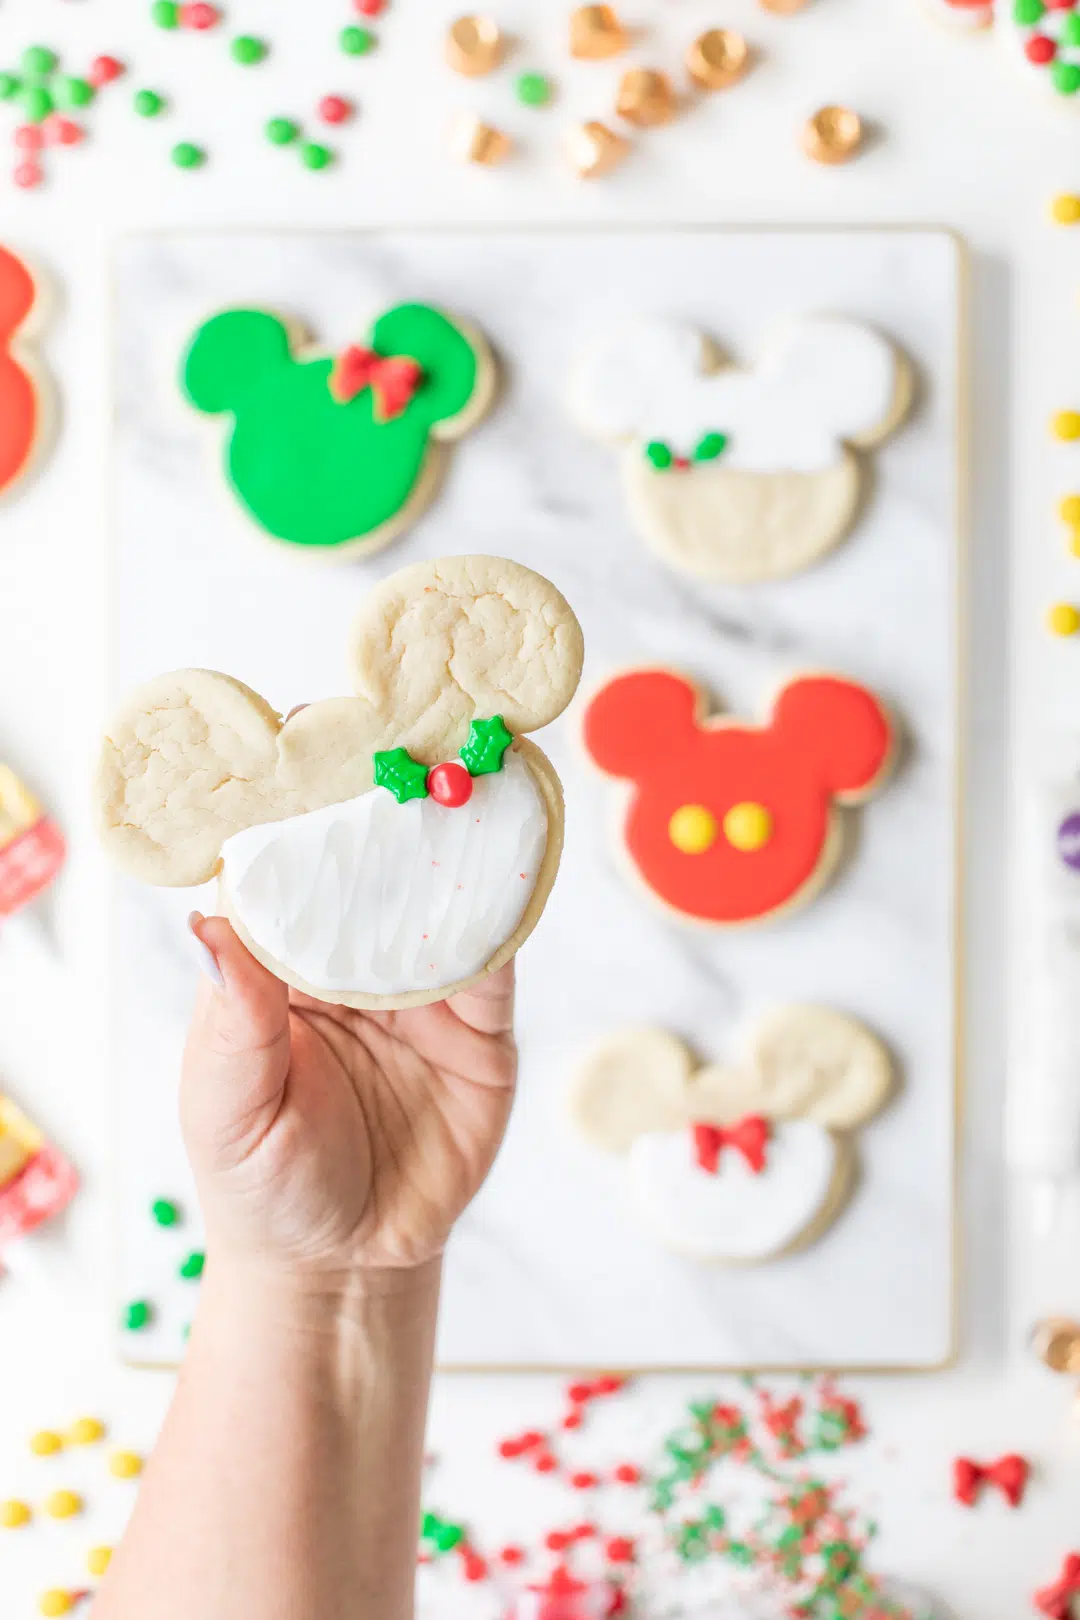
[(237, 1057)]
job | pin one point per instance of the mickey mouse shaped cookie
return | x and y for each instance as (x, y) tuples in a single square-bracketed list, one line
[(382, 850), (742, 1163), (338, 453), (23, 413), (742, 476), (730, 823)]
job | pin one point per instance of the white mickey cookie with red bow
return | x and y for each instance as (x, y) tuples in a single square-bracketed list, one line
[(381, 850), (742, 475), (737, 1163)]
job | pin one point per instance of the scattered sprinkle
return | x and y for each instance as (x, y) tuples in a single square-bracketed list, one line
[(314, 156), (138, 1315), (356, 41), (186, 155), (125, 1465), (248, 51), (282, 131), (533, 89), (148, 104)]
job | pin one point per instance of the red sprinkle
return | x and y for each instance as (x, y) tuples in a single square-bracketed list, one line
[(545, 1463), (103, 70), (1040, 50), (584, 1532), (473, 1567), (620, 1550), (62, 131), (199, 15), (572, 1420), (510, 1448), (27, 175), (579, 1393), (584, 1481), (334, 110), (628, 1474), (557, 1540), (609, 1385), (512, 1556), (531, 1439), (369, 8), (29, 138)]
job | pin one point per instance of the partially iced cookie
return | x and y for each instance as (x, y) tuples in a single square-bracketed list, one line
[(383, 850), (735, 475)]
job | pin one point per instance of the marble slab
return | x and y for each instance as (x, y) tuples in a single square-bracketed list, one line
[(548, 1268)]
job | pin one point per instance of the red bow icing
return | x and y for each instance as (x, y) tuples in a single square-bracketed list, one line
[(393, 379), (1056, 1601), (747, 1136), (1009, 1474)]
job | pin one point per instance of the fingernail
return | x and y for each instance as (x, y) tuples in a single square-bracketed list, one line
[(207, 960)]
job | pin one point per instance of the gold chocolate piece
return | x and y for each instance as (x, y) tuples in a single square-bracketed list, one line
[(717, 59), (1056, 1342), (782, 8), (474, 46), (596, 33), (473, 141), (646, 97), (833, 135), (595, 150)]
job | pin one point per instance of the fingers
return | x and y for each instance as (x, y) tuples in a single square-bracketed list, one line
[(489, 1006)]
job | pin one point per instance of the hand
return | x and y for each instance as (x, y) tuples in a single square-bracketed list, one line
[(326, 1140)]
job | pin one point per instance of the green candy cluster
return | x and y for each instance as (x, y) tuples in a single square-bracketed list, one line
[(40, 88)]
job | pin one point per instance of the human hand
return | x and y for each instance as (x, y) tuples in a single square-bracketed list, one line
[(327, 1140)]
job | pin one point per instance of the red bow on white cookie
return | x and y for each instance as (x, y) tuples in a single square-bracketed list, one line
[(393, 380), (1009, 1474), (749, 1136)]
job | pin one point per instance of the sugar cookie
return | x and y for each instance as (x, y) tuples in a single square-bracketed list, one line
[(24, 412), (346, 863)]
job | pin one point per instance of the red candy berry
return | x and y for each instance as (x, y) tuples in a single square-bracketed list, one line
[(103, 70), (1040, 50), (450, 785), (334, 110), (28, 175)]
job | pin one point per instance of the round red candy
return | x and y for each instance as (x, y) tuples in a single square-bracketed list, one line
[(103, 70), (334, 110), (28, 175), (1040, 50), (1060, 5), (450, 785), (62, 131), (369, 8), (29, 138), (198, 15)]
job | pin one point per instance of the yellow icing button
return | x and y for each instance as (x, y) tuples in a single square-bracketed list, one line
[(98, 1560), (46, 1443), (125, 1464), (63, 1504), (1064, 619), (14, 1514), (86, 1431), (1065, 425), (692, 829), (748, 826), (56, 1601), (1065, 208)]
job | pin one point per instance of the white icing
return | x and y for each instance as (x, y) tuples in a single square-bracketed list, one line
[(735, 1214), (821, 383), (384, 898), (1053, 25)]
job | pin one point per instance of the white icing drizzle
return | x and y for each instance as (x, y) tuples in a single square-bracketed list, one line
[(383, 898), (821, 383), (734, 1215)]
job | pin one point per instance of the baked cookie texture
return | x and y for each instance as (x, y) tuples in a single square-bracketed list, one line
[(744, 1162), (742, 476), (452, 661)]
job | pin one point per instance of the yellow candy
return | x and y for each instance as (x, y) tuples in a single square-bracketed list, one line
[(1063, 619), (86, 1431), (1069, 509), (748, 826), (692, 829), (55, 1601), (46, 1443), (1065, 209), (1074, 541), (14, 1514), (98, 1560), (125, 1464), (63, 1504), (1066, 425)]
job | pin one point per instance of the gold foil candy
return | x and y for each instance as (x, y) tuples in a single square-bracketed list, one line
[(595, 150), (782, 8), (595, 33), (474, 46), (832, 135), (718, 58), (646, 97), (473, 141), (1056, 1342)]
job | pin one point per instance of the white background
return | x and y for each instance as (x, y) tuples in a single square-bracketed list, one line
[(962, 143)]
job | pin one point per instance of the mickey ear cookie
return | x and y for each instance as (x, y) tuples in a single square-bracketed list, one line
[(380, 850), (742, 476), (337, 454)]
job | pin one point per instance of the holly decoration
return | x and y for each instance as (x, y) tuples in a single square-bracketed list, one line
[(488, 742), (401, 775), (482, 755), (662, 457), (440, 1535)]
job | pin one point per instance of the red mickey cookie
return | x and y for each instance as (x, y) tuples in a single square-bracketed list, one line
[(20, 405), (731, 823)]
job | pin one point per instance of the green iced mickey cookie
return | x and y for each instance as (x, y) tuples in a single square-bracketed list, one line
[(333, 452)]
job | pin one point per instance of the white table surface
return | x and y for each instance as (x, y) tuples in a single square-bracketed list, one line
[(963, 143)]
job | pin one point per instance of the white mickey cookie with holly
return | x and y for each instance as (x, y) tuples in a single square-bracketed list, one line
[(740, 1163), (742, 475), (381, 850)]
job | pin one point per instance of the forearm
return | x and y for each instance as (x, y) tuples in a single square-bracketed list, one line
[(286, 1482)]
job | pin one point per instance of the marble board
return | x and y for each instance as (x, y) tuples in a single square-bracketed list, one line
[(548, 1269)]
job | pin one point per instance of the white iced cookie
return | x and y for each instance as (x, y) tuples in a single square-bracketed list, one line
[(735, 475), (737, 1164), (382, 850)]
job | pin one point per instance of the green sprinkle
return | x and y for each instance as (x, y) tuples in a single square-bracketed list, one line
[(356, 41), (39, 60), (314, 156), (75, 92), (533, 89), (710, 446), (165, 1212), (1070, 33), (148, 103), (186, 155), (659, 454), (37, 103), (488, 742), (165, 13), (1028, 12), (1065, 77), (193, 1266), (10, 85), (139, 1315), (282, 131), (247, 50)]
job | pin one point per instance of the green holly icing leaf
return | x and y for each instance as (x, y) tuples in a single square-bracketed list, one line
[(488, 742), (659, 454), (401, 775), (710, 446), (308, 469)]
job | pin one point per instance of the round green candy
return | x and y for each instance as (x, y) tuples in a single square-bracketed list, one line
[(186, 155), (166, 13), (356, 41), (314, 156), (165, 1212), (282, 131), (1028, 12), (247, 50), (138, 1315), (10, 85), (148, 103), (193, 1267), (37, 103), (1070, 33), (1065, 77), (533, 89), (39, 60), (75, 92)]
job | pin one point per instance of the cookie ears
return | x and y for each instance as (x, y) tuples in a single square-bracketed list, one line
[(854, 381), (233, 354), (802, 1063), (18, 294), (627, 373)]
